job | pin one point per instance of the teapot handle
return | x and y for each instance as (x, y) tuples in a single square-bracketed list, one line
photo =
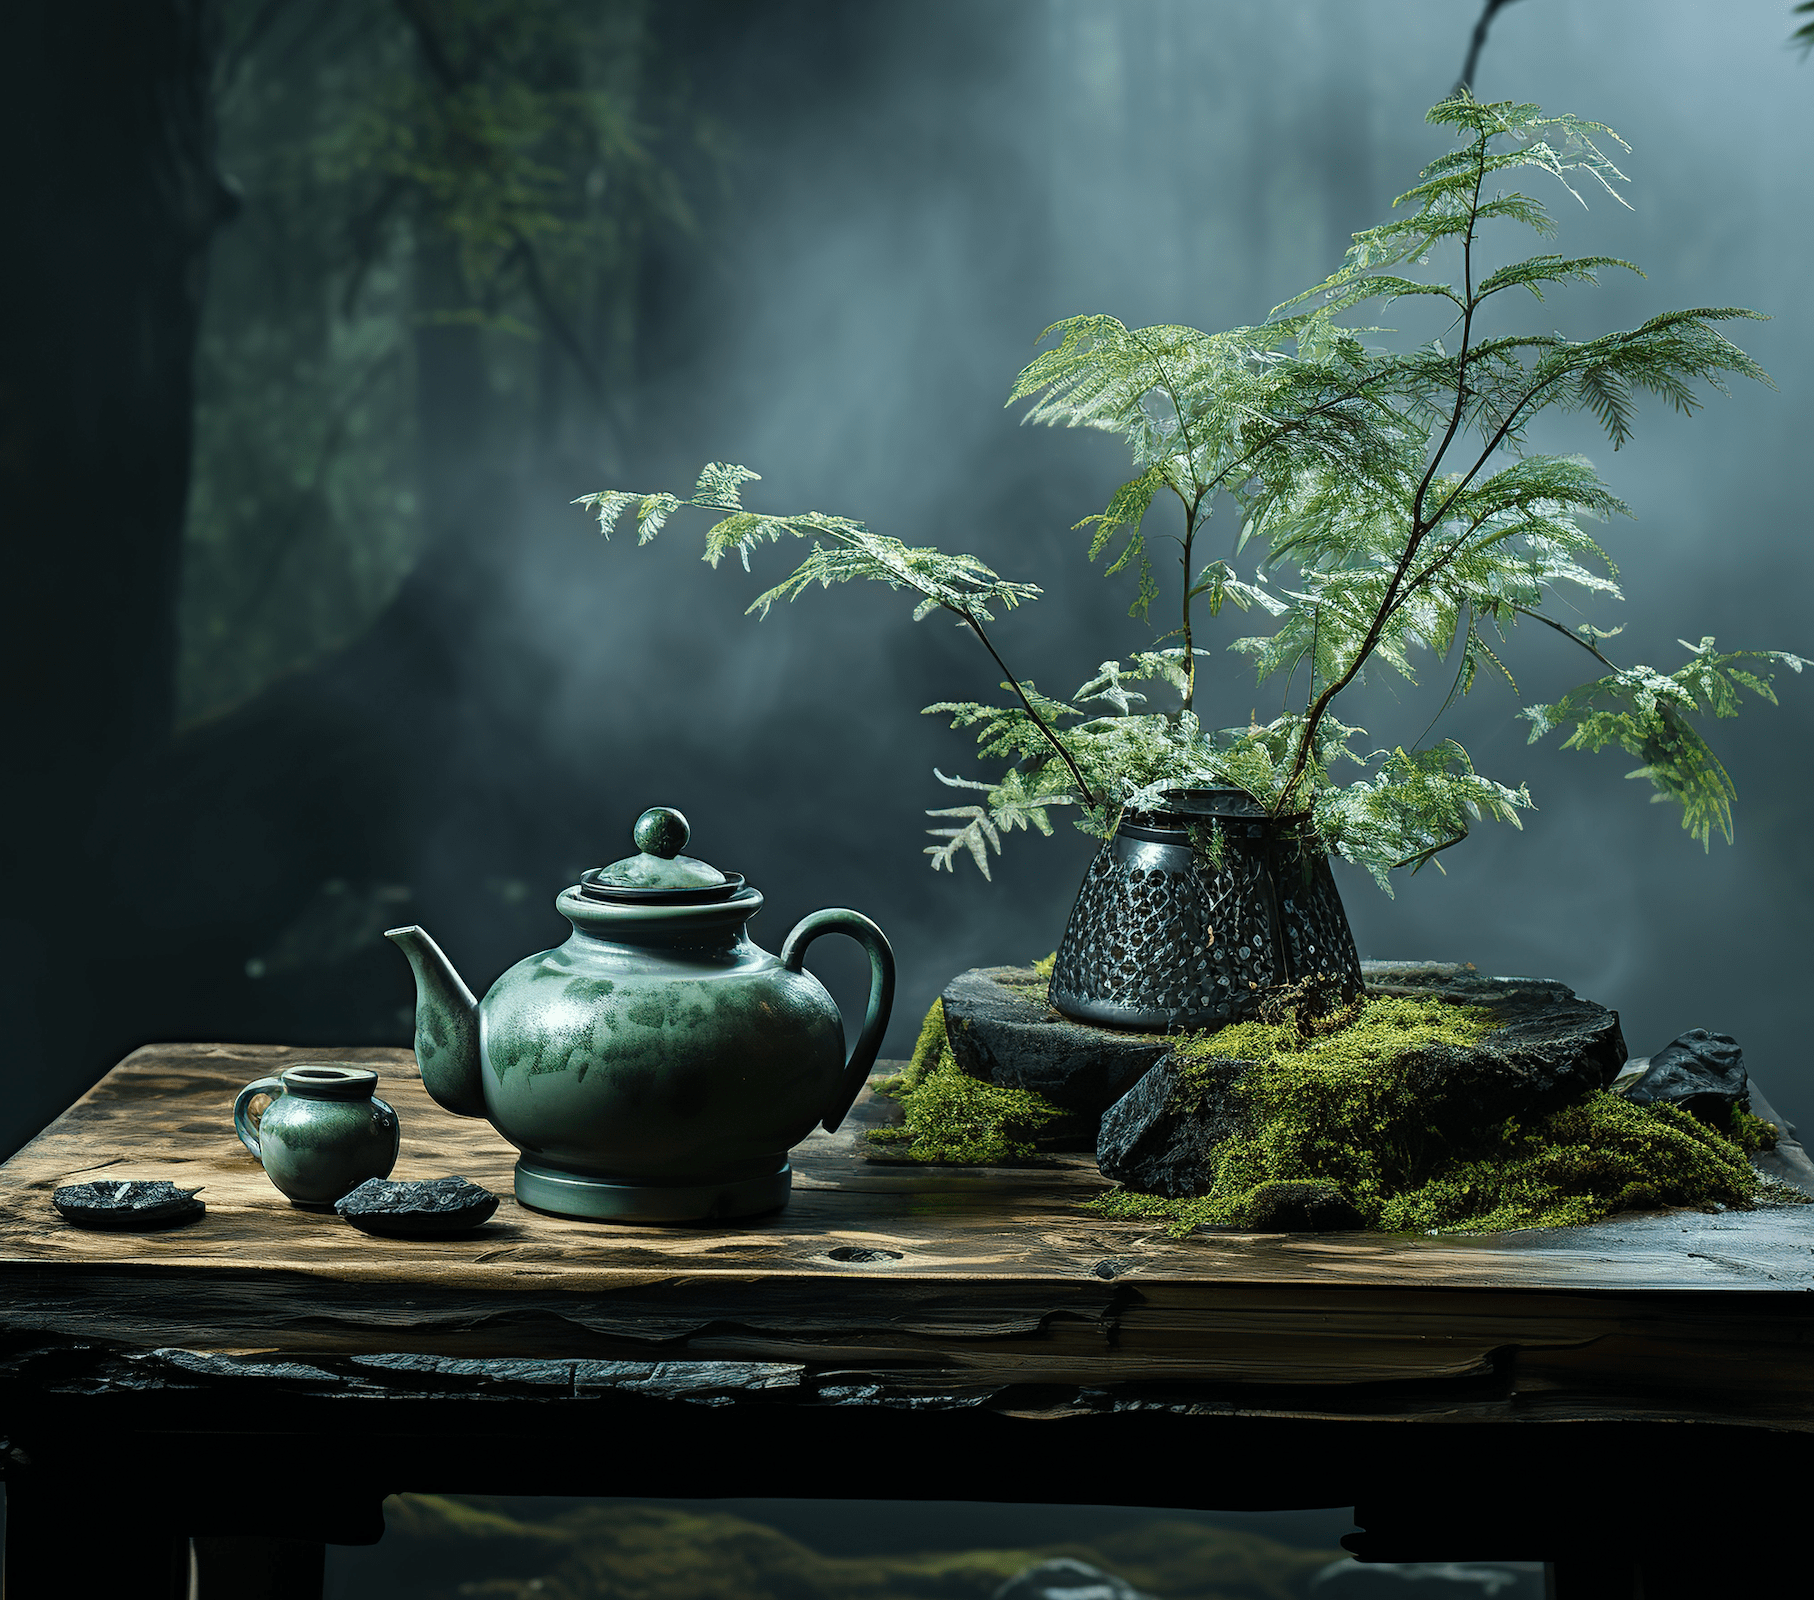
[(881, 995), (242, 1113)]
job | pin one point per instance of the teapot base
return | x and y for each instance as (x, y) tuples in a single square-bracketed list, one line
[(571, 1194)]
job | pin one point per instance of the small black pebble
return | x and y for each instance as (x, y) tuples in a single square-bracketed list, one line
[(431, 1210), (127, 1205)]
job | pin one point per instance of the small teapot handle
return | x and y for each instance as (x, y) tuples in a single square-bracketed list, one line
[(242, 1113), (881, 995)]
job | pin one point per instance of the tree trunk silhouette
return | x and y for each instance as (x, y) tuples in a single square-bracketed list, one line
[(110, 144)]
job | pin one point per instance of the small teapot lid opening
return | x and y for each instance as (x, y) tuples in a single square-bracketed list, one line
[(661, 834)]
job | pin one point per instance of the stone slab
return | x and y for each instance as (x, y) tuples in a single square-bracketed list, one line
[(1003, 1030)]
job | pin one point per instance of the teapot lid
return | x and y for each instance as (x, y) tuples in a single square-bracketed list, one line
[(660, 874)]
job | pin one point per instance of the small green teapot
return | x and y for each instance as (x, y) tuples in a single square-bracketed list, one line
[(322, 1135), (658, 1066)]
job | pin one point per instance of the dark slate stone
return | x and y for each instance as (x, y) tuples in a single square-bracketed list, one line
[(429, 1210), (1702, 1072), (1552, 1048), (1066, 1579), (127, 1205), (1157, 1147), (1003, 1030)]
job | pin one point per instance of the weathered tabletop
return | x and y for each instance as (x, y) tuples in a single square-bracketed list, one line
[(889, 1290), (934, 1277)]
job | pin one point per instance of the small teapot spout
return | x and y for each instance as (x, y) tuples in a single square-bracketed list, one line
[(447, 1025)]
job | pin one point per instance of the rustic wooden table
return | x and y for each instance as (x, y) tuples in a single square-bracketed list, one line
[(1627, 1401)]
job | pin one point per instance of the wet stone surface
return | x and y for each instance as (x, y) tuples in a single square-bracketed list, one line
[(1150, 1144)]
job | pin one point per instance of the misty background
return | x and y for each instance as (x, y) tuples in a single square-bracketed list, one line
[(400, 678)]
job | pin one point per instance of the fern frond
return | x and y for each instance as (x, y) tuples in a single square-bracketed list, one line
[(721, 484), (1645, 713)]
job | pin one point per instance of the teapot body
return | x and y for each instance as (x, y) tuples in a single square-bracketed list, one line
[(658, 1066), (648, 1063)]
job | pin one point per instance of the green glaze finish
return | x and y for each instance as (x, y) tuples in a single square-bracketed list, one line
[(323, 1134), (447, 1026), (550, 1189), (661, 834), (659, 1065)]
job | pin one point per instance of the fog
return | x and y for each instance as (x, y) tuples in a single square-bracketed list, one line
[(914, 191), (905, 233)]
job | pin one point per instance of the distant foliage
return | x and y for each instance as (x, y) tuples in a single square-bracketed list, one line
[(412, 174), (1393, 509)]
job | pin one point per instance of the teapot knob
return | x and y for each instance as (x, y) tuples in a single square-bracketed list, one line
[(661, 831)]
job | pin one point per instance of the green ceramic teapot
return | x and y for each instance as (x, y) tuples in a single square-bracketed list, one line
[(658, 1066)]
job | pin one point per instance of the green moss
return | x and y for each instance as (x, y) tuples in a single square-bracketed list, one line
[(1031, 982), (1369, 1101), (1751, 1134), (1581, 1164), (954, 1119)]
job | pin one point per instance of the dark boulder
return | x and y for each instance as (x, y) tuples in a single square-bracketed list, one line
[(1551, 1049), (1002, 1029), (1153, 1142), (1702, 1072)]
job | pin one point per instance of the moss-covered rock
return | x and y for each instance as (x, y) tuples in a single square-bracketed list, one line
[(1376, 1106), (951, 1118), (1003, 1030)]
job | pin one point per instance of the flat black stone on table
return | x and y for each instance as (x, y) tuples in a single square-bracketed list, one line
[(431, 1210), (127, 1205), (1550, 1048), (1003, 1030)]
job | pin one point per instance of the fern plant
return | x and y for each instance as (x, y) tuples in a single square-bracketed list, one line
[(1392, 508)]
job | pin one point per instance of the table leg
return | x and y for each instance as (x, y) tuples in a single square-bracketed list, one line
[(259, 1569), (89, 1543)]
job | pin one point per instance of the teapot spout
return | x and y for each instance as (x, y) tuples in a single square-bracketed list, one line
[(447, 1025)]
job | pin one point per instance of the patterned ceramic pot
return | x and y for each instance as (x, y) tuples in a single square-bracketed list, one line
[(1190, 915)]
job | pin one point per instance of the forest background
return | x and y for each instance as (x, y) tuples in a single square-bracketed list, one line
[(323, 311)]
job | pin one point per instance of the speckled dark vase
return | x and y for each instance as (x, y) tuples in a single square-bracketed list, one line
[(1190, 915), (323, 1134), (658, 1066)]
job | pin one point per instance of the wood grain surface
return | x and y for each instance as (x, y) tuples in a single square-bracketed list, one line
[(978, 1280)]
